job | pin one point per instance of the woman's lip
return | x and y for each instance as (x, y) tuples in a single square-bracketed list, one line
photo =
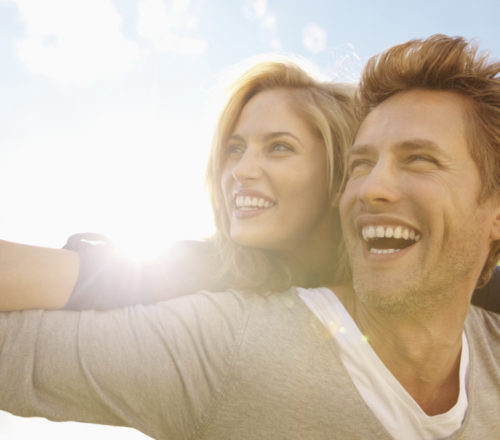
[(252, 193), (248, 213)]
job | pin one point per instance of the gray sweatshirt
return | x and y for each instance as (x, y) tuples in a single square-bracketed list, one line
[(211, 366)]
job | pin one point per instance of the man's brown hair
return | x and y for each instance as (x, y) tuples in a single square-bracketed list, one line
[(454, 64)]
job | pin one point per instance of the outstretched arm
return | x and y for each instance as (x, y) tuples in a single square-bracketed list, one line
[(33, 277), (89, 274), (109, 280), (155, 368)]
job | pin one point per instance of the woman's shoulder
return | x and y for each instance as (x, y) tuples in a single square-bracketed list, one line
[(108, 279)]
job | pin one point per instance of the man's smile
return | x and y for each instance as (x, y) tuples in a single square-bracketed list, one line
[(382, 239)]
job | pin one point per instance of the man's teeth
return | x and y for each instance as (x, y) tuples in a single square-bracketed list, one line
[(383, 251), (246, 202), (398, 232), (388, 239)]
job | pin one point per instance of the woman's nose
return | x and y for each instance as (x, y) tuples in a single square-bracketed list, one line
[(248, 167)]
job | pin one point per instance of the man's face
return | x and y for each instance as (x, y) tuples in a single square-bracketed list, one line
[(414, 229)]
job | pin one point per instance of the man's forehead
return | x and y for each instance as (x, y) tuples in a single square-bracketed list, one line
[(417, 118)]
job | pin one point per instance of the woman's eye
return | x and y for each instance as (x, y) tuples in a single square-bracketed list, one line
[(234, 150), (281, 147)]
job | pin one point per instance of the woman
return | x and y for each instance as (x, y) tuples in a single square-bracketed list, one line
[(306, 120), (275, 171)]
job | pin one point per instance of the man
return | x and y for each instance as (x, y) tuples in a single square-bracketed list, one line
[(421, 219), (425, 163)]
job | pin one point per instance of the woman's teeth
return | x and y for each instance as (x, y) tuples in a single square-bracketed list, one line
[(247, 202)]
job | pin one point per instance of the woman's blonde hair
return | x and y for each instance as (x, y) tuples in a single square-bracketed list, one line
[(329, 110)]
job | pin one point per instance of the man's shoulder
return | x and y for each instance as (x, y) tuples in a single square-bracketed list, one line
[(482, 324), (477, 313)]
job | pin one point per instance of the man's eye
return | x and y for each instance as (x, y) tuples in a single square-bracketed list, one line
[(419, 157), (358, 165), (422, 159)]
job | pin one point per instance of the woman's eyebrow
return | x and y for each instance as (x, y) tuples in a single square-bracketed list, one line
[(267, 137), (235, 137), (276, 134)]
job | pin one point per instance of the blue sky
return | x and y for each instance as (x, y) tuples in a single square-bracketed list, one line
[(107, 106)]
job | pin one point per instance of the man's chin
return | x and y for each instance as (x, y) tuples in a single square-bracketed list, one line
[(395, 296)]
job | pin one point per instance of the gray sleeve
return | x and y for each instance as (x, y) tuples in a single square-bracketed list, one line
[(156, 368)]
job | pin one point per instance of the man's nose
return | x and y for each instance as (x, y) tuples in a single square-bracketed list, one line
[(380, 185), (248, 167)]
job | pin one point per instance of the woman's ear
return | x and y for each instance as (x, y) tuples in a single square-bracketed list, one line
[(335, 201), (495, 227)]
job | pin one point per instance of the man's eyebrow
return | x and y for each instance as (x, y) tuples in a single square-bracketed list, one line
[(418, 144), (408, 145), (359, 149)]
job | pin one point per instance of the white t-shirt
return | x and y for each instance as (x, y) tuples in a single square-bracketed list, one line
[(385, 396)]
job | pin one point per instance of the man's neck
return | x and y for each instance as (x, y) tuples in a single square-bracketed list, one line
[(421, 351)]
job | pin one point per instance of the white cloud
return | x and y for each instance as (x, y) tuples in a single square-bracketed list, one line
[(275, 44), (168, 27), (314, 38), (347, 64), (257, 10), (268, 22), (73, 41)]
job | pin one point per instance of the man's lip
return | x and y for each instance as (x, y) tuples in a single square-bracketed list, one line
[(370, 256), (382, 220)]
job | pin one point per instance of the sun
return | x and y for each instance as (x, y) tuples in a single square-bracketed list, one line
[(151, 190), (134, 176)]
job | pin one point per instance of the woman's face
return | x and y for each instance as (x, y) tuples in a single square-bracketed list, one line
[(274, 179)]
